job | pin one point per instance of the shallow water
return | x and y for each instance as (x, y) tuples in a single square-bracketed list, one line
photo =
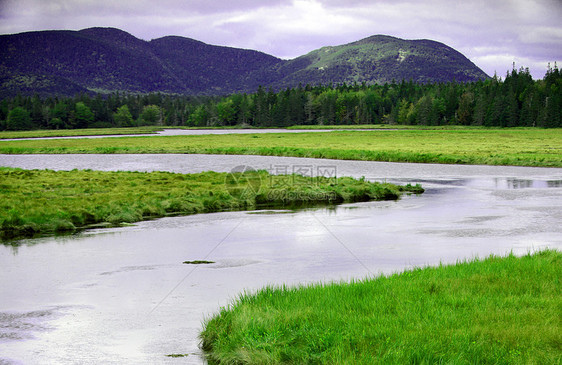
[(124, 296)]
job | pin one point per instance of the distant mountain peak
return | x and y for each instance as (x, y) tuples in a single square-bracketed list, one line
[(377, 38), (115, 37), (103, 31)]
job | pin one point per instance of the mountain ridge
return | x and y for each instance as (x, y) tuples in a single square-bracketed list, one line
[(99, 59)]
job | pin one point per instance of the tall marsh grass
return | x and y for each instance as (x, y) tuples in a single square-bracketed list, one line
[(500, 310)]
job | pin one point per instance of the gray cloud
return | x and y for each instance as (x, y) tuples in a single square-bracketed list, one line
[(493, 34)]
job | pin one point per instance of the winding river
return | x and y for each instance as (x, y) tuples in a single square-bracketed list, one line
[(124, 296)]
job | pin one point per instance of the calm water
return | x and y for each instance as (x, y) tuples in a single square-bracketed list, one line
[(124, 296)]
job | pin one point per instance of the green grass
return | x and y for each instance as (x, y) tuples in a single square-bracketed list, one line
[(78, 132), (352, 126), (494, 311), (36, 202), (389, 126), (521, 147)]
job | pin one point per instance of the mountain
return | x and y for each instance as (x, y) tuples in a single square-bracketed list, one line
[(108, 59), (380, 59)]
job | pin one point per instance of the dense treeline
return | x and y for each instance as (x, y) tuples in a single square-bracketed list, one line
[(518, 100)]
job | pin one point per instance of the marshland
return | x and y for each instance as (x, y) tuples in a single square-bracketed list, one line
[(383, 201), (466, 212)]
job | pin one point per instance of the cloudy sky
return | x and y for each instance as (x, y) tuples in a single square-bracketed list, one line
[(491, 33)]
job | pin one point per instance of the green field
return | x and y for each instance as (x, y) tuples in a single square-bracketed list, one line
[(36, 202), (494, 311), (521, 147)]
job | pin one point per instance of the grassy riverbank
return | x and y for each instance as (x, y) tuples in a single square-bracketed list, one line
[(520, 147), (493, 311), (393, 126), (46, 202), (42, 133), (78, 132)]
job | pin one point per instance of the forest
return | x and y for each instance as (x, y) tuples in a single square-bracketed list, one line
[(514, 101)]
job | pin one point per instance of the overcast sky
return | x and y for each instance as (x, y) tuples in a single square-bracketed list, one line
[(491, 33)]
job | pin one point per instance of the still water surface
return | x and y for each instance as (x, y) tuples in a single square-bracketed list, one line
[(123, 295)]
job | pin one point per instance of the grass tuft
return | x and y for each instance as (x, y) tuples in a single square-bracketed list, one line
[(198, 262)]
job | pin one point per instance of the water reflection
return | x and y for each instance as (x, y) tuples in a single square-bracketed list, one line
[(526, 184), (509, 183)]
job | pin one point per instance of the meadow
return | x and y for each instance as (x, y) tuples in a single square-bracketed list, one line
[(39, 202), (518, 146), (499, 310)]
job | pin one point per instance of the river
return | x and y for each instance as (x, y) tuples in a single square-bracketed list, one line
[(124, 295)]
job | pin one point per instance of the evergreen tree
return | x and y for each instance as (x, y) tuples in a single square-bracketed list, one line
[(262, 114), (424, 111), (479, 110), (437, 111), (465, 110)]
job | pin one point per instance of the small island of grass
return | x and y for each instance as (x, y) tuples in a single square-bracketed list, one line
[(198, 262)]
